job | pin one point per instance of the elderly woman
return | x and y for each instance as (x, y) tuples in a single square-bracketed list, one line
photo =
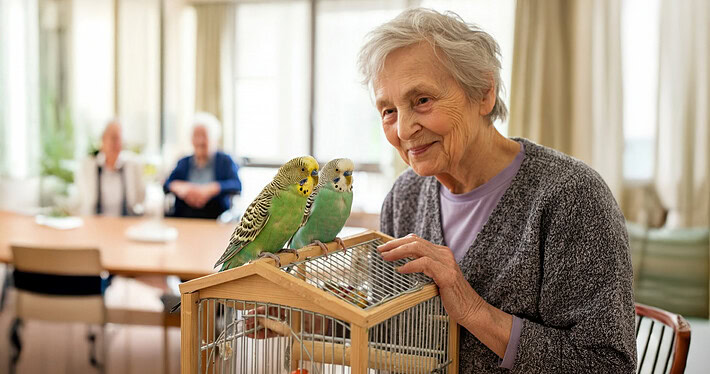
[(527, 245), (204, 182), (111, 183)]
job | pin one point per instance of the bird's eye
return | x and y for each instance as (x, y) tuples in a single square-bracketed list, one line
[(303, 169), (337, 170)]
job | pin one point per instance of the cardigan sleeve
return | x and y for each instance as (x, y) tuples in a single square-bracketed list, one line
[(228, 177), (586, 302), (179, 173), (386, 215)]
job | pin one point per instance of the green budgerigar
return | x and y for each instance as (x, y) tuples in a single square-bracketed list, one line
[(274, 216), (328, 206)]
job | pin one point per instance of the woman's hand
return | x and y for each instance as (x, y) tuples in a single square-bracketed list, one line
[(463, 304), (437, 262), (180, 188), (198, 196)]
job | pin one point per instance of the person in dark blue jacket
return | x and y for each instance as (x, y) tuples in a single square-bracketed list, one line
[(203, 183)]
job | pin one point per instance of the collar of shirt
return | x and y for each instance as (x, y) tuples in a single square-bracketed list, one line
[(208, 164), (101, 160)]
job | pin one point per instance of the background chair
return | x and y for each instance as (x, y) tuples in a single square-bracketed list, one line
[(58, 285), (662, 341)]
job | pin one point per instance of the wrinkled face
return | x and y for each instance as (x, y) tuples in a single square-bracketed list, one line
[(425, 114), (111, 142), (200, 142)]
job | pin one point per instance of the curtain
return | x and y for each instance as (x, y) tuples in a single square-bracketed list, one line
[(19, 89), (139, 73), (566, 88), (682, 172), (215, 61)]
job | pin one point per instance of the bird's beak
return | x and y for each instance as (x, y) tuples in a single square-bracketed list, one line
[(314, 173), (348, 173)]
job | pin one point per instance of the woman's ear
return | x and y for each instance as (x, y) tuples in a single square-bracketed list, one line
[(488, 101)]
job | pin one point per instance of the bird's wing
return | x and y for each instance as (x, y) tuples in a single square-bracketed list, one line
[(253, 221)]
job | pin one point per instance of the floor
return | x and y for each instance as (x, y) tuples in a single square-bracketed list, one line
[(63, 348), (699, 353)]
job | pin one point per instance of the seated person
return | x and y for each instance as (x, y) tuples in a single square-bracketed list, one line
[(110, 183), (527, 245), (204, 182)]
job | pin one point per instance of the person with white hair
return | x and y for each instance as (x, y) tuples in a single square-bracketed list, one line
[(111, 182), (527, 245), (204, 182)]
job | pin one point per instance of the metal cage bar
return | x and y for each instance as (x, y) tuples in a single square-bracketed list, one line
[(358, 275), (253, 337), (413, 341)]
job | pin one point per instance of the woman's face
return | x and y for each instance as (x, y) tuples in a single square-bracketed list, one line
[(111, 141), (425, 114), (200, 142)]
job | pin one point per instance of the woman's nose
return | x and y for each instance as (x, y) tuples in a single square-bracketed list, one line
[(407, 126)]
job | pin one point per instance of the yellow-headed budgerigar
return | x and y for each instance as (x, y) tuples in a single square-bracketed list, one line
[(274, 216), (328, 206)]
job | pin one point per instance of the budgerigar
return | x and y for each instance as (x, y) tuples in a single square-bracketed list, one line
[(328, 206), (274, 216)]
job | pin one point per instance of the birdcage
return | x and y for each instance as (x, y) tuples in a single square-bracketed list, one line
[(345, 312)]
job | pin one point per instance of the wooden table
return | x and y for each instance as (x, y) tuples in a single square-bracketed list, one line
[(198, 245)]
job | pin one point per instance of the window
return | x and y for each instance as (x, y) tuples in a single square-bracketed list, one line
[(179, 85), (90, 69), (91, 52), (639, 20), (19, 88), (271, 80), (346, 121), (139, 73), (273, 84)]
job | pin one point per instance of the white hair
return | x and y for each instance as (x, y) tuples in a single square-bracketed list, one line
[(469, 54), (210, 123)]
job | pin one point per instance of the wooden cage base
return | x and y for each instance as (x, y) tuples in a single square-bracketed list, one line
[(332, 353)]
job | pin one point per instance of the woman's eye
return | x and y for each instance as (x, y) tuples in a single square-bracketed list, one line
[(387, 112), (423, 100)]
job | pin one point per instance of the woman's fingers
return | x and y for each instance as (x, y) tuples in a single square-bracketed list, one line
[(424, 265), (392, 244), (412, 249)]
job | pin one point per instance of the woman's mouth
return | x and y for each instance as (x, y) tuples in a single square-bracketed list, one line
[(416, 151)]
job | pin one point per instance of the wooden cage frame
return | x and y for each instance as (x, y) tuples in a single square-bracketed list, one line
[(244, 283)]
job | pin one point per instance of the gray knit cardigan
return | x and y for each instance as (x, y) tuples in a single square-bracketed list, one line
[(554, 252)]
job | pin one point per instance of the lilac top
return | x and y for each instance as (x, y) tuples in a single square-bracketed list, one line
[(463, 217)]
